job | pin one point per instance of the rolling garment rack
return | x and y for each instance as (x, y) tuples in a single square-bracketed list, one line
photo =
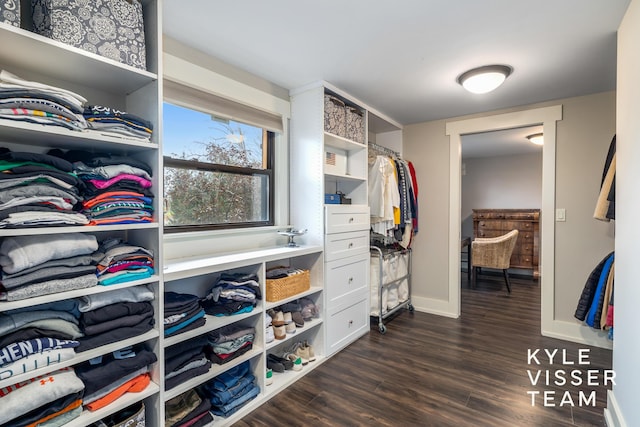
[(390, 262), (394, 267)]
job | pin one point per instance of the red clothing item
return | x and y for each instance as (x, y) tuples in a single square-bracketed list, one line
[(135, 385)]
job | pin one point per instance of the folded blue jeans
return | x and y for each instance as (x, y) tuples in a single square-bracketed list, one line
[(223, 397), (231, 407), (229, 378)]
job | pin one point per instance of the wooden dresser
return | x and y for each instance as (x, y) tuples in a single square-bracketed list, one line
[(496, 222)]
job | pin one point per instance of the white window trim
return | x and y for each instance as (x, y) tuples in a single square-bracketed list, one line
[(202, 243)]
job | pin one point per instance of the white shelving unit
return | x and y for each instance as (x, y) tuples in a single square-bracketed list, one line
[(341, 229), (197, 275), (103, 82)]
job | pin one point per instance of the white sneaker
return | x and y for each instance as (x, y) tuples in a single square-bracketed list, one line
[(269, 335)]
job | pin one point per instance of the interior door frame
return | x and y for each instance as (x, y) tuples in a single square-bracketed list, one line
[(547, 116)]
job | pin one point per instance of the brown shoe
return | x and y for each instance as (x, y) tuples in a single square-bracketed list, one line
[(280, 332), (277, 318)]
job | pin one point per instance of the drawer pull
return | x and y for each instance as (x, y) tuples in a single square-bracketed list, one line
[(350, 245), (351, 220), (350, 280), (350, 323)]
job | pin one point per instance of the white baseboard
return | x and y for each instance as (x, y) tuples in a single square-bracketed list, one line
[(612, 415), (575, 332), (434, 306)]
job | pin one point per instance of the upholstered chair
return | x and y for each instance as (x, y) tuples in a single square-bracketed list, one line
[(493, 252)]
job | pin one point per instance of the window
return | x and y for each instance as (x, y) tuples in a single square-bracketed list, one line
[(218, 173)]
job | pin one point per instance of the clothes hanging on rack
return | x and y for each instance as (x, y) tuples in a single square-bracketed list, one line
[(392, 196), (595, 306), (384, 195), (606, 204)]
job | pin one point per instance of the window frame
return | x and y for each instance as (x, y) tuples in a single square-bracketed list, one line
[(268, 171)]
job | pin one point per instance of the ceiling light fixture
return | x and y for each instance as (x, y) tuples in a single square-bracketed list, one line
[(536, 138), (484, 79)]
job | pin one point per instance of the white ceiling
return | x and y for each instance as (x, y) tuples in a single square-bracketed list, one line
[(507, 142), (402, 58)]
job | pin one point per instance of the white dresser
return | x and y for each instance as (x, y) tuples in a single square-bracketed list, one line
[(346, 274)]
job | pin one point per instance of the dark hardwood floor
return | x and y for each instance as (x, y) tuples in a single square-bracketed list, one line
[(429, 370)]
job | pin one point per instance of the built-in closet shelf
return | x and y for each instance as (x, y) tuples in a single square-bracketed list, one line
[(213, 372), (311, 291), (124, 401), (342, 143), (211, 324), (77, 229), (59, 296), (36, 134), (308, 325), (80, 357), (284, 379), (344, 177), (191, 267), (22, 49)]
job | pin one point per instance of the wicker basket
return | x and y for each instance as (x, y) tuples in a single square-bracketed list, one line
[(279, 289)]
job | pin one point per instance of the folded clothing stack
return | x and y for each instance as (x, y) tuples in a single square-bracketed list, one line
[(123, 262), (131, 416), (229, 342), (231, 390), (182, 313), (55, 398), (188, 409), (117, 188), (112, 122), (26, 101), (41, 265), (114, 316), (38, 336), (38, 190), (185, 361), (233, 293), (106, 378)]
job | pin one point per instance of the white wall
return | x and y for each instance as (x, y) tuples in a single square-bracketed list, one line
[(501, 182), (622, 405), (583, 137)]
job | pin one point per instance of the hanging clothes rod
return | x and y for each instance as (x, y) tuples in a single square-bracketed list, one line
[(384, 150)]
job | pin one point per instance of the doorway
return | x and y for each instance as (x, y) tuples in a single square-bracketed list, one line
[(547, 117), (501, 170)]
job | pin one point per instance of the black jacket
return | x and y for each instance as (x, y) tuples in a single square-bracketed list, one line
[(584, 303)]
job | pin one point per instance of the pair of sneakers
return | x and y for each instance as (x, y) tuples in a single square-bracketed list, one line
[(285, 363), (269, 334), (277, 324), (303, 350)]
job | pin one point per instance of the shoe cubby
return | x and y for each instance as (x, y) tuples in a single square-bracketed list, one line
[(197, 276)]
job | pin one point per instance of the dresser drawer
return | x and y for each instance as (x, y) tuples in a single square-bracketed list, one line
[(523, 249), (488, 215), (522, 215), (525, 238), (486, 225), (347, 324), (525, 261), (489, 233), (346, 277), (345, 218), (518, 225), (344, 245)]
